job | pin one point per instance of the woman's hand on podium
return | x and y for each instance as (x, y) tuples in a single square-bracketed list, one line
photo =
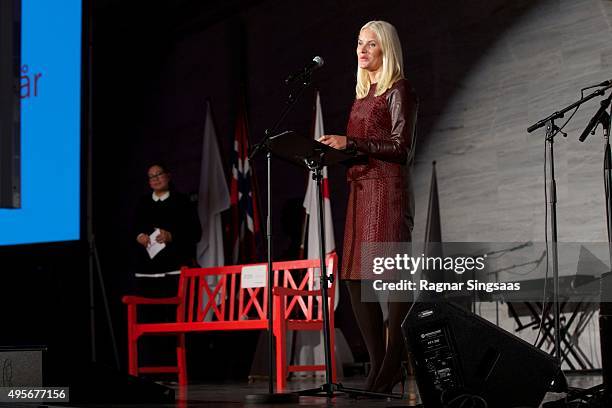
[(335, 141)]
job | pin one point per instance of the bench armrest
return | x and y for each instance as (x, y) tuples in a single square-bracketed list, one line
[(278, 291), (139, 300)]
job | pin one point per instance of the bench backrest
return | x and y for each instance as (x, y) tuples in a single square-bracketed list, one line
[(217, 292)]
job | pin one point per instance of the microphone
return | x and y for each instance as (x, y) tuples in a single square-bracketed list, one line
[(605, 83), (595, 119), (316, 63)]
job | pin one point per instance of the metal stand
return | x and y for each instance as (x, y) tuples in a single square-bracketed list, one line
[(601, 394), (271, 396), (95, 275), (605, 308), (329, 388), (604, 390), (317, 174), (598, 396), (317, 168), (551, 131), (95, 271)]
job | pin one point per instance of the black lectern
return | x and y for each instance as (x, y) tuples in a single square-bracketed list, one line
[(305, 152)]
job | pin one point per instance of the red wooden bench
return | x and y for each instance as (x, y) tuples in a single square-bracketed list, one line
[(296, 306)]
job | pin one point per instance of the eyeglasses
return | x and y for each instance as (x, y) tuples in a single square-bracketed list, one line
[(156, 175)]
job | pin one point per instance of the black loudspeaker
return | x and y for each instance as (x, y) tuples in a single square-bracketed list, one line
[(460, 356), (21, 366)]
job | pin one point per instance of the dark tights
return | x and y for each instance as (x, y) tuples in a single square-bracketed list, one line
[(385, 365)]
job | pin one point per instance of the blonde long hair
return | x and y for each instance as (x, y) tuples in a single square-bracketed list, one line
[(392, 60)]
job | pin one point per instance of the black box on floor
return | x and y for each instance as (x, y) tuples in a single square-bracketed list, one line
[(460, 356)]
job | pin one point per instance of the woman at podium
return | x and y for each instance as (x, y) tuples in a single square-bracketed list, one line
[(381, 135)]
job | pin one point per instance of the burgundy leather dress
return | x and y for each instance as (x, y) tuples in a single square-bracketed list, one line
[(381, 134)]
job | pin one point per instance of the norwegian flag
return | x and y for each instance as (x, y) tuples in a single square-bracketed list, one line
[(245, 214)]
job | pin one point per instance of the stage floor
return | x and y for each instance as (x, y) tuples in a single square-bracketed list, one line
[(231, 395)]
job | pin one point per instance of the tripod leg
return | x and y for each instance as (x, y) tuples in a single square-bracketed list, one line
[(109, 320), (332, 345)]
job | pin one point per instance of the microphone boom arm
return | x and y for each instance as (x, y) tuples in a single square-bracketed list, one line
[(561, 113)]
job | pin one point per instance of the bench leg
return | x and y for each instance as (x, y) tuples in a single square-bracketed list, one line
[(181, 360), (280, 333), (133, 357), (132, 341), (281, 360)]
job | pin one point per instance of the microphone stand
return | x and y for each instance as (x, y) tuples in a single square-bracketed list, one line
[(601, 394), (605, 308), (551, 131), (263, 145)]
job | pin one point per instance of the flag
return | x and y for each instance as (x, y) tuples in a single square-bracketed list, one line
[(311, 200), (311, 205), (245, 224), (433, 230), (213, 198), (433, 240)]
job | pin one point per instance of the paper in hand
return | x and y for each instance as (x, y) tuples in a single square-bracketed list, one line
[(154, 247)]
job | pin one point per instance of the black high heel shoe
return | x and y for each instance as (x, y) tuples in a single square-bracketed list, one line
[(399, 378), (407, 383)]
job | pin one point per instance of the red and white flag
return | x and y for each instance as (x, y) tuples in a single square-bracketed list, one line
[(311, 200), (245, 222)]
